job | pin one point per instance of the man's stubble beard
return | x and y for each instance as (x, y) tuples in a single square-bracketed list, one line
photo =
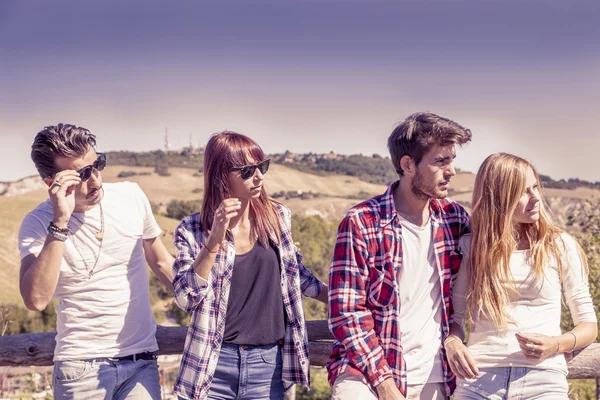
[(422, 192)]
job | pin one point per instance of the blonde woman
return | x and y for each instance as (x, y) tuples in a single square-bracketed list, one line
[(517, 264)]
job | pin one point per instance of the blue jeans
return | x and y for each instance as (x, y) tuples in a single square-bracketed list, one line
[(104, 378), (516, 383), (248, 372)]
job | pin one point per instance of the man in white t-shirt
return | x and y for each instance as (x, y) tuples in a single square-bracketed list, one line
[(393, 265), (87, 246)]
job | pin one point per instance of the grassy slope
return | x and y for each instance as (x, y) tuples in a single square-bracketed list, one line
[(160, 190), (182, 182)]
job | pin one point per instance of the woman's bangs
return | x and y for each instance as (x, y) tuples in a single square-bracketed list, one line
[(245, 153)]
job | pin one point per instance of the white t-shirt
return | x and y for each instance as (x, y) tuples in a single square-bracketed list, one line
[(535, 307), (108, 314), (420, 290)]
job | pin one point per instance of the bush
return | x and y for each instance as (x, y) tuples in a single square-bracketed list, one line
[(180, 316), (126, 174), (178, 209), (155, 208), (16, 319), (162, 170), (319, 387)]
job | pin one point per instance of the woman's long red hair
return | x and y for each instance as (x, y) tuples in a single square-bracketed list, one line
[(223, 151)]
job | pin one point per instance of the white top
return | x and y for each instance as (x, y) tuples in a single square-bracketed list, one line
[(109, 314), (535, 307), (420, 291)]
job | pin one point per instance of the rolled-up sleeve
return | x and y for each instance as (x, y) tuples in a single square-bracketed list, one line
[(350, 320), (189, 287), (310, 285)]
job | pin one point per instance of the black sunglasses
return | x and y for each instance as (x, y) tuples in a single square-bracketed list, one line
[(247, 171), (85, 173)]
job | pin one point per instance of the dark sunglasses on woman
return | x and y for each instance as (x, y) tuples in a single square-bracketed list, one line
[(247, 171), (85, 173)]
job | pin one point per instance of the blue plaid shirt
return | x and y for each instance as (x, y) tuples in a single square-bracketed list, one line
[(207, 301)]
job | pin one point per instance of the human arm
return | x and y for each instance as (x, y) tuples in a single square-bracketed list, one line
[(387, 390), (575, 288), (196, 254), (159, 260), (40, 270), (310, 285), (350, 320), (460, 359)]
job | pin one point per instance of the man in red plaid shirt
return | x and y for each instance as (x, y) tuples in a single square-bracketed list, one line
[(393, 267)]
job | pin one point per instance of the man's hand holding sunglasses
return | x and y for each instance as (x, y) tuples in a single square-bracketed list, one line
[(62, 196), (62, 189)]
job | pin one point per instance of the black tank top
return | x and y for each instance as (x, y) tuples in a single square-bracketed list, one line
[(255, 314)]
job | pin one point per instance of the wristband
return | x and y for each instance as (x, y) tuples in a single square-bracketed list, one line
[(448, 340), (58, 233), (212, 252)]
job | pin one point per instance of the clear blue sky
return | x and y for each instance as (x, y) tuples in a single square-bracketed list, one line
[(305, 75)]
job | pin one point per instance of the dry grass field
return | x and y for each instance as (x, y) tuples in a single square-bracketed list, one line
[(337, 194)]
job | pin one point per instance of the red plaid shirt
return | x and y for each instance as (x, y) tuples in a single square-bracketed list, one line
[(364, 303)]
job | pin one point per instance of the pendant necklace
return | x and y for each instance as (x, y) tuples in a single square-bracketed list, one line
[(99, 236)]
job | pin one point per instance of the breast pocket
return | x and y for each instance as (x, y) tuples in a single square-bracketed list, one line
[(382, 290)]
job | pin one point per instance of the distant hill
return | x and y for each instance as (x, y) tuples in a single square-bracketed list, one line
[(326, 194), (373, 169)]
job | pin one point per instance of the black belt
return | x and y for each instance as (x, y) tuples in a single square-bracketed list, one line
[(139, 356)]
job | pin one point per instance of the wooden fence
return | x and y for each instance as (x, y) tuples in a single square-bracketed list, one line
[(38, 348)]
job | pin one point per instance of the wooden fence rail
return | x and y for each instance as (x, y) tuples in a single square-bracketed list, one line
[(38, 348)]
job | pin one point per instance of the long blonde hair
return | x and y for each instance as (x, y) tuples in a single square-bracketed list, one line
[(500, 183)]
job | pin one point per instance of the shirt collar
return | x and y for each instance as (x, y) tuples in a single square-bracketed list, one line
[(387, 209)]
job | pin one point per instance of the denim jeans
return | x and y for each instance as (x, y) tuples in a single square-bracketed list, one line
[(103, 378), (349, 387), (516, 383), (248, 372)]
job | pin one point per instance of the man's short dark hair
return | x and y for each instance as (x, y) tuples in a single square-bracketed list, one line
[(419, 132), (59, 140)]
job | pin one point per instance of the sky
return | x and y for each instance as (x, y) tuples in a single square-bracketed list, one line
[(305, 75)]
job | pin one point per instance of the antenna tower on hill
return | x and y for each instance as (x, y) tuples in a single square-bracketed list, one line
[(167, 146)]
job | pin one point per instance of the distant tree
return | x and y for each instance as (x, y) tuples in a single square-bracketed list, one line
[(178, 209), (162, 170), (126, 174)]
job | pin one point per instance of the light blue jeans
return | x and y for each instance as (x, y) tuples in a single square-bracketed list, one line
[(103, 378), (248, 373), (516, 383)]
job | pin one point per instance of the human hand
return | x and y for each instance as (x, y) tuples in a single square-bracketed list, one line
[(460, 360), (62, 196), (227, 210), (537, 346), (387, 390)]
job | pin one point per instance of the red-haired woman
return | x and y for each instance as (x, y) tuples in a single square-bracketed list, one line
[(239, 273)]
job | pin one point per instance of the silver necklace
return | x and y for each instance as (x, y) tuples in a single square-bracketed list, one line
[(99, 236)]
